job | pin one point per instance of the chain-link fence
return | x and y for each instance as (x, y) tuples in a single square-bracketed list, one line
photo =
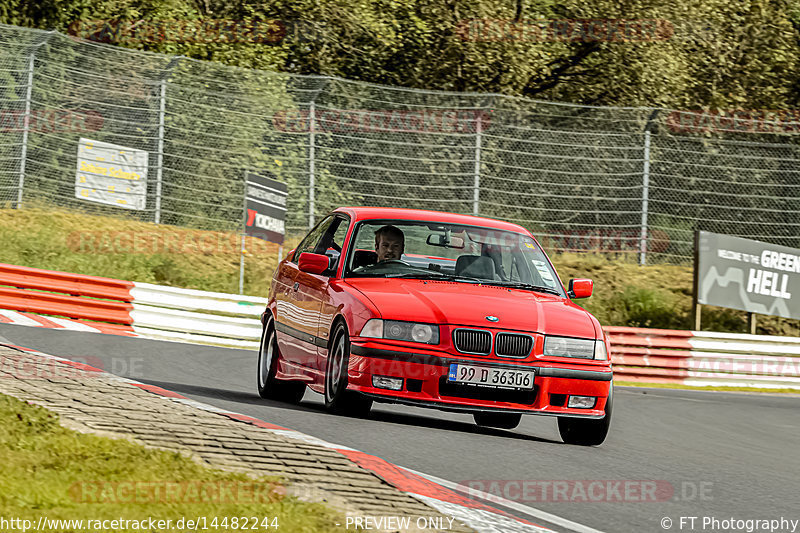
[(634, 180)]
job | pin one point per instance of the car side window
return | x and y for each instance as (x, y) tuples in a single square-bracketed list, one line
[(314, 238), (332, 242)]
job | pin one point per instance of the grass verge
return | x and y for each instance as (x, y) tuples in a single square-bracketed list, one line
[(626, 294), (53, 472)]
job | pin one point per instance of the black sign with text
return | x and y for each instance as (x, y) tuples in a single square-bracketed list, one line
[(265, 208)]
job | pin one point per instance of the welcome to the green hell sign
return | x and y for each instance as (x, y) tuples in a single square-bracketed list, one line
[(748, 275)]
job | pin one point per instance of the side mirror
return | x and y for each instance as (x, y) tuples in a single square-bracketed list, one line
[(580, 288), (313, 263)]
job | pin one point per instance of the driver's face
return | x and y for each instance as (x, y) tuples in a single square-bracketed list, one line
[(389, 248)]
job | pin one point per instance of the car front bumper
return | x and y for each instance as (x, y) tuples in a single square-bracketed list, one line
[(425, 382)]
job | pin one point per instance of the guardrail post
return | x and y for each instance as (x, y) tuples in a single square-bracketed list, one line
[(27, 118), (476, 186)]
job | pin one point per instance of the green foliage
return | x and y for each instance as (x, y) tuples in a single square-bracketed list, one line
[(705, 54), (642, 307)]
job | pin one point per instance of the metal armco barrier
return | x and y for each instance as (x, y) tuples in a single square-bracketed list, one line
[(705, 359), (70, 295), (132, 308), (167, 313)]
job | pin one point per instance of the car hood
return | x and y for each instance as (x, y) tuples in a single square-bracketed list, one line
[(463, 304)]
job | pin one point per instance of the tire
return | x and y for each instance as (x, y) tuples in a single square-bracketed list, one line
[(270, 387), (497, 420), (583, 432), (338, 399)]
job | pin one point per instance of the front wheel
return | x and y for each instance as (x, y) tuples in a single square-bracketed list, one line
[(269, 386), (338, 399), (497, 420), (586, 432)]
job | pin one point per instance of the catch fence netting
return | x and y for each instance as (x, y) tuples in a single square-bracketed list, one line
[(608, 179)]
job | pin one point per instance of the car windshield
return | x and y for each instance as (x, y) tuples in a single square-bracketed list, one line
[(466, 254)]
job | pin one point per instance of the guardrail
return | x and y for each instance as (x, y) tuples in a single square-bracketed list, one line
[(167, 313), (703, 358), (143, 309)]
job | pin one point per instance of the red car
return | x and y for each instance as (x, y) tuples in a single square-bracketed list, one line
[(434, 310)]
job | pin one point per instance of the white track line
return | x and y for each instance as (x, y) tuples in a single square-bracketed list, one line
[(20, 320), (72, 325), (526, 509)]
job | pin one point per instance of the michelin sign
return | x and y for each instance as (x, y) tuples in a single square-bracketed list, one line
[(748, 275)]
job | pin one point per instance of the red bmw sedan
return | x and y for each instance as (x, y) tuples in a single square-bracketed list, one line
[(437, 310)]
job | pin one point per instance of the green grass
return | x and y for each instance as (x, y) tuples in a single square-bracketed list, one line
[(625, 294), (51, 471)]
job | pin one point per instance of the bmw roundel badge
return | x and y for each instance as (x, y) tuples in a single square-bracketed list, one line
[(491, 318)]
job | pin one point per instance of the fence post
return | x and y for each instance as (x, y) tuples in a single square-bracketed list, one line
[(312, 126), (26, 120), (476, 186), (162, 108), (645, 189), (162, 111)]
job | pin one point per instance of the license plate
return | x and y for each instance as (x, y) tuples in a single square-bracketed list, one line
[(491, 376)]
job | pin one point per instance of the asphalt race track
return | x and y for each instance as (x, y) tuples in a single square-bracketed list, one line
[(726, 455)]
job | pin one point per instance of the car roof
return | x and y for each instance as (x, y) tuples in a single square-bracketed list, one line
[(381, 213)]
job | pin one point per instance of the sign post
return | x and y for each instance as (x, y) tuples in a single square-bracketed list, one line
[(752, 276), (264, 214)]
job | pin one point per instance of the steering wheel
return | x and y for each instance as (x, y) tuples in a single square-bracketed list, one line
[(382, 264), (393, 262)]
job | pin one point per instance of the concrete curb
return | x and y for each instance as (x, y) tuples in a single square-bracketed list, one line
[(354, 482)]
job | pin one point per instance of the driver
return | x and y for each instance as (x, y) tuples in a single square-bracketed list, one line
[(389, 243)]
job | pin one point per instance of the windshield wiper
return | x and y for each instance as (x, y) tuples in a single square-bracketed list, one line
[(529, 286), (436, 276)]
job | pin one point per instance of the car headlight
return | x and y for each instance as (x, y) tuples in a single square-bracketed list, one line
[(401, 331), (569, 347)]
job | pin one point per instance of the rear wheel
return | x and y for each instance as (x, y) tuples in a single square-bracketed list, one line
[(338, 399), (586, 432), (269, 386), (497, 420)]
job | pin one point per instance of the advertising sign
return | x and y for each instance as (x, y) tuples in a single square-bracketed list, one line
[(265, 208), (111, 174), (748, 275)]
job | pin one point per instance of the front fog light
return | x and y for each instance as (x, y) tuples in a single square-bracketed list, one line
[(385, 382), (581, 402)]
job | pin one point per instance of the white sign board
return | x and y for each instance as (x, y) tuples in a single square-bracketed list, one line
[(111, 174)]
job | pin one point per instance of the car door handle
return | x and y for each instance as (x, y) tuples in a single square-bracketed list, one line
[(296, 285)]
